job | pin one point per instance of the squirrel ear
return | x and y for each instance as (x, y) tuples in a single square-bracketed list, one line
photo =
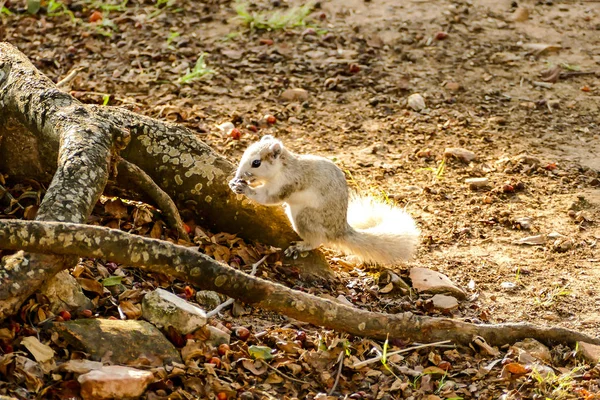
[(266, 137), (275, 149)]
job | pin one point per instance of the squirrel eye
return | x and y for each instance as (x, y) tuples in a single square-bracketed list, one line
[(255, 163)]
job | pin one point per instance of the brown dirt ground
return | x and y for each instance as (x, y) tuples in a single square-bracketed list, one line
[(481, 91)]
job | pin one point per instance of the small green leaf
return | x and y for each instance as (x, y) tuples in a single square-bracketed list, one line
[(105, 100), (33, 6), (260, 352), (112, 281)]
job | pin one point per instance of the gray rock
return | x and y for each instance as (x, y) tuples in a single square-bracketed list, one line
[(444, 303), (208, 299), (114, 382), (164, 309), (128, 342), (429, 281)]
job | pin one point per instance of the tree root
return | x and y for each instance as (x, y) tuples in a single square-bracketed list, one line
[(187, 264), (160, 197)]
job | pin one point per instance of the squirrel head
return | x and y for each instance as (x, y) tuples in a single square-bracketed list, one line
[(262, 160)]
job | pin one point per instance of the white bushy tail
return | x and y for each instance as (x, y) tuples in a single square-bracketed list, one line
[(382, 233)]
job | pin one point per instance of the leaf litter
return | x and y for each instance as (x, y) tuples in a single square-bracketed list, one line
[(135, 54)]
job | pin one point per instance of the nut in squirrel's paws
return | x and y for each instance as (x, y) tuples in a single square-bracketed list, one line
[(297, 249), (238, 186)]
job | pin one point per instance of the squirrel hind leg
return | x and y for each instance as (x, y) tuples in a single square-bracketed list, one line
[(299, 249)]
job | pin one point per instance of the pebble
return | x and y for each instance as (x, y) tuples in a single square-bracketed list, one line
[(460, 153), (416, 102), (429, 281), (535, 240), (508, 286), (226, 128), (477, 183), (444, 302), (295, 94)]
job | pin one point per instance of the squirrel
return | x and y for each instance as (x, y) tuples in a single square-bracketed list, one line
[(318, 204)]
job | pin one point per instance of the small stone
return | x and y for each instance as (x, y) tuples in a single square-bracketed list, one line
[(535, 348), (524, 222), (121, 342), (444, 303), (114, 382), (453, 86), (535, 240), (217, 337), (460, 153), (590, 352), (226, 128), (429, 281), (416, 102), (477, 183), (508, 286), (208, 299), (164, 309), (296, 94)]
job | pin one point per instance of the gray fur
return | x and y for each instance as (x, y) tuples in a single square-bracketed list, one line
[(315, 193)]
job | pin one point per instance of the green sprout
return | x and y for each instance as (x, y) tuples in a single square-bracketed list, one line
[(199, 71), (291, 18)]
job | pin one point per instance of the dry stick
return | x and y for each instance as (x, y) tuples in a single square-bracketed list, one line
[(339, 372), (70, 76), (162, 199), (284, 374), (361, 364), (230, 301), (189, 265)]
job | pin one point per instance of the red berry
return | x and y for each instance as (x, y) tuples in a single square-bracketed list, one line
[(86, 313), (508, 188), (223, 349), (221, 396), (235, 134), (441, 36), (189, 292), (242, 333), (216, 361), (271, 119), (65, 315), (96, 16), (268, 42), (354, 68)]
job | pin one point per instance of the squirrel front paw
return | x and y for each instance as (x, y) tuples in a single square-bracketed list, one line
[(238, 186), (297, 249)]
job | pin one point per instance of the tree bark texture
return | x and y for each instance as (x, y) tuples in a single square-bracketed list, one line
[(47, 133), (189, 265), (77, 146)]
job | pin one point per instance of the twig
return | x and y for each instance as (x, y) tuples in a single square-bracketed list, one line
[(162, 199), (70, 76), (284, 374), (379, 357), (230, 301), (339, 372)]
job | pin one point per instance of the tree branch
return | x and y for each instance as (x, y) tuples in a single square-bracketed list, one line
[(187, 264)]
